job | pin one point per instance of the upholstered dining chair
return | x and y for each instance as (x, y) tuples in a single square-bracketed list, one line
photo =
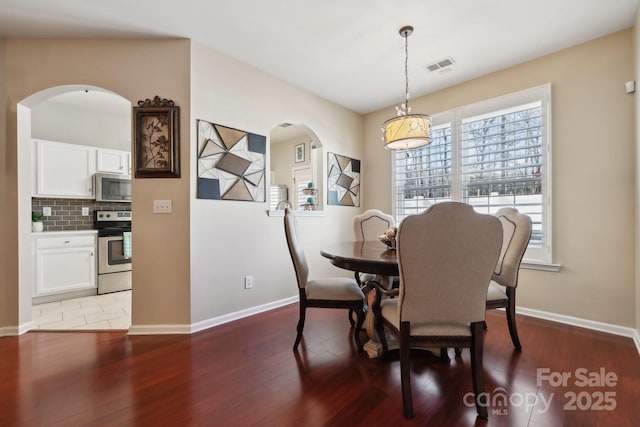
[(446, 256), (335, 292), (369, 225), (516, 233)]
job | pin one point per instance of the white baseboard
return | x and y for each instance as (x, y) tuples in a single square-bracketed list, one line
[(159, 329), (634, 334), (12, 331), (209, 323), (215, 321), (583, 323)]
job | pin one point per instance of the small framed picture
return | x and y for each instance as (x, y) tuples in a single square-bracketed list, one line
[(157, 139), (300, 153)]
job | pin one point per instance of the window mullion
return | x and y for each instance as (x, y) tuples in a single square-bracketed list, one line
[(456, 160)]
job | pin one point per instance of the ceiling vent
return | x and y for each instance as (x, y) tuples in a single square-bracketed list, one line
[(441, 64)]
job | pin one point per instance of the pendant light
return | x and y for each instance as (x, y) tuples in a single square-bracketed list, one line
[(406, 130)]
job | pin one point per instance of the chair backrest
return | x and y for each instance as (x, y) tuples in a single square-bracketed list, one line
[(371, 224), (516, 232), (295, 248), (446, 256)]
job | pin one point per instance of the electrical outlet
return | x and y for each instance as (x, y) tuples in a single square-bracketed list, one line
[(85, 211), (46, 211), (248, 282)]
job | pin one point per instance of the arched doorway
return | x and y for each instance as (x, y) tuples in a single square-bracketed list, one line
[(296, 159), (47, 116)]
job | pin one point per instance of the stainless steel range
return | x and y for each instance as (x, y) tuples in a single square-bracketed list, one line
[(114, 267)]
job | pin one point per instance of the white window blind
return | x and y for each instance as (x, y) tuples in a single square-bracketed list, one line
[(491, 155), (423, 175)]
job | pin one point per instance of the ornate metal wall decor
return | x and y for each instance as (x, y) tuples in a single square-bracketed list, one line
[(157, 139), (343, 180), (231, 163)]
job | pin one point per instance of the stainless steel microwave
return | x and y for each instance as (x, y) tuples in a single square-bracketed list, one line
[(112, 188)]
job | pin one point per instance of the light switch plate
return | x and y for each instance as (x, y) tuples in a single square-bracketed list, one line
[(163, 206), (85, 211), (46, 211)]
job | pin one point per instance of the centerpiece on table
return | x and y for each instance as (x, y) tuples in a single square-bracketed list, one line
[(389, 237)]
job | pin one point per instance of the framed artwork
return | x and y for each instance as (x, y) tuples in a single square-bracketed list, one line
[(299, 153), (156, 139), (231, 163), (343, 180)]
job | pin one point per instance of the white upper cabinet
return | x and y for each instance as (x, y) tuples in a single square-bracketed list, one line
[(63, 170), (112, 161)]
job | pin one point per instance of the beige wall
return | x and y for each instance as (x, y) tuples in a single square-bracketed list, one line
[(229, 239), (593, 174), (636, 58), (8, 301), (134, 69), (189, 265)]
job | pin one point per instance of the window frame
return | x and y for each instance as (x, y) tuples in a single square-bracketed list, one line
[(534, 256)]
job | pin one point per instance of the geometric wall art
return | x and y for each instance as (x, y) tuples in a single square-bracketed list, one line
[(343, 180), (231, 163)]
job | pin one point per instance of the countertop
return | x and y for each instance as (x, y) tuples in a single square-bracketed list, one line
[(64, 232)]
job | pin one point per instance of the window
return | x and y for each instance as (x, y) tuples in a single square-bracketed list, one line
[(490, 155)]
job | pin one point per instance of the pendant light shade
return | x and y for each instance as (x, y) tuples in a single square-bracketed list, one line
[(406, 130)]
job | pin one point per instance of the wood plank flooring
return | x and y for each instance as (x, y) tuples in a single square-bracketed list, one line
[(245, 374)]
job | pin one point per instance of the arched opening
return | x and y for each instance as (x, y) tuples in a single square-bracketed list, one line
[(296, 162), (95, 122)]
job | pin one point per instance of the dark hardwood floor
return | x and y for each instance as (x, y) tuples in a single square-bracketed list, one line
[(245, 374)]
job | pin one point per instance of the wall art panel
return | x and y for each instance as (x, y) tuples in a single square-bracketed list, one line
[(343, 180), (231, 163)]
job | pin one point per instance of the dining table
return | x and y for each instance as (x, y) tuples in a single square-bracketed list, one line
[(372, 257)]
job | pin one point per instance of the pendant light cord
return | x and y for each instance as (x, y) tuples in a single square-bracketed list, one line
[(406, 72)]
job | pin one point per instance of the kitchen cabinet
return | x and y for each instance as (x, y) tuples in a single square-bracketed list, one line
[(64, 262), (113, 161), (63, 170)]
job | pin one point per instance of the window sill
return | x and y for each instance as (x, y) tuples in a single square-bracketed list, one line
[(542, 266), (280, 213)]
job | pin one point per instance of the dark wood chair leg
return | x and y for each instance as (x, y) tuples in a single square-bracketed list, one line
[(351, 321), (405, 370), (300, 326), (477, 338), (511, 317), (356, 331), (444, 354), (458, 351)]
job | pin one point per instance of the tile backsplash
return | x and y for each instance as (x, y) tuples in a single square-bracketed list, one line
[(66, 214)]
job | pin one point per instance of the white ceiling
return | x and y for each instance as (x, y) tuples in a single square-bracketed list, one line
[(347, 51)]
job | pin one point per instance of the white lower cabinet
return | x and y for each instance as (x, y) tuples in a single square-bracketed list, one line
[(64, 262)]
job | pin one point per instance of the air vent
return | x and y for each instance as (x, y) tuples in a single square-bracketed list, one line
[(441, 64)]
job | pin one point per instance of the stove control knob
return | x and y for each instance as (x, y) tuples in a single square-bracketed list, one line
[(101, 216)]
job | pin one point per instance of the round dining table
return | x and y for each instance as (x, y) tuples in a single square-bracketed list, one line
[(366, 257)]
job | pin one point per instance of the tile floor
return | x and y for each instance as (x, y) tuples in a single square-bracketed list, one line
[(108, 311)]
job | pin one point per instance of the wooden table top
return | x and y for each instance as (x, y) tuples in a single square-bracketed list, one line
[(365, 257)]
